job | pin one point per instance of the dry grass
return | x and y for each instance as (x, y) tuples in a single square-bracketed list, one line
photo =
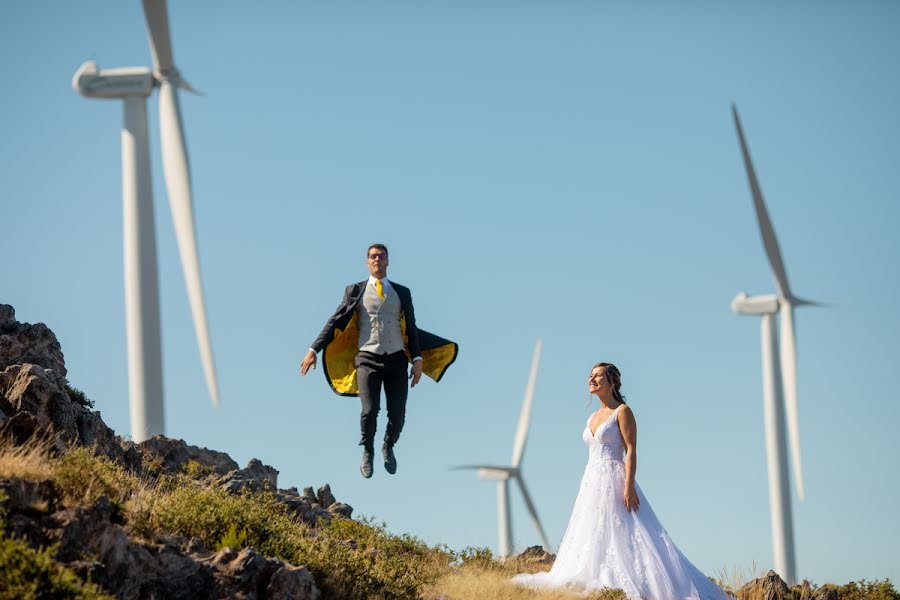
[(28, 461), (480, 584), (733, 578)]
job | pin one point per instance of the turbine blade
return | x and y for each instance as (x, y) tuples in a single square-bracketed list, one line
[(157, 17), (762, 215), (178, 185), (525, 415), (788, 351), (795, 301), (531, 511)]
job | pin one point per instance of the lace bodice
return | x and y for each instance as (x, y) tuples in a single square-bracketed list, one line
[(606, 443)]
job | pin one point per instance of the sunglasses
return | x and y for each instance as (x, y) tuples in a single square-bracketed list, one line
[(381, 255)]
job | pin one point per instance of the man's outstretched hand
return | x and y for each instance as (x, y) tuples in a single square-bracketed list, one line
[(416, 374), (309, 361)]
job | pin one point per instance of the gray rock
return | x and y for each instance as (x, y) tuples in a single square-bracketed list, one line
[(40, 392), (826, 592), (255, 476), (292, 583), (35, 401), (29, 497), (126, 569), (22, 343), (768, 587), (535, 557), (324, 496), (247, 567), (339, 508), (175, 454), (7, 316)]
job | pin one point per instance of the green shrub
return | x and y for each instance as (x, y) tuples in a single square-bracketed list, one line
[(83, 477), (357, 560), (233, 539), (183, 507), (479, 558), (31, 574), (868, 590), (78, 396), (194, 470)]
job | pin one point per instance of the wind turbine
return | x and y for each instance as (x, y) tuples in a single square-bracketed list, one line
[(133, 85), (779, 367), (502, 475)]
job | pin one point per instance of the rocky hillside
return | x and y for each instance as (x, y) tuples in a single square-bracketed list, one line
[(94, 541)]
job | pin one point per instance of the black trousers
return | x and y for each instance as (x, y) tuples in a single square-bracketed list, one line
[(372, 372)]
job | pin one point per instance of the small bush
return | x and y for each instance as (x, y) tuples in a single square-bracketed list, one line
[(78, 396), (233, 539), (82, 477), (362, 560), (194, 470), (868, 590), (479, 558)]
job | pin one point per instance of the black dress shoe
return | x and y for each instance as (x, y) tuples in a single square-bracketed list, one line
[(366, 466), (390, 461)]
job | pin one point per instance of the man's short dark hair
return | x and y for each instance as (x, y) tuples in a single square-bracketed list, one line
[(381, 247)]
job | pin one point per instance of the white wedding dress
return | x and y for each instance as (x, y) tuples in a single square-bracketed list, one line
[(607, 546)]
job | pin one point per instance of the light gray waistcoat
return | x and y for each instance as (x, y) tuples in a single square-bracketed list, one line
[(379, 321)]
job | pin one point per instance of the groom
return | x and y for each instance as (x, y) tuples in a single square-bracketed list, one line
[(367, 344)]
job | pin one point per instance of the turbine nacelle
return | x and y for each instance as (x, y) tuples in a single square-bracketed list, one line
[(767, 304), (119, 83), (497, 473)]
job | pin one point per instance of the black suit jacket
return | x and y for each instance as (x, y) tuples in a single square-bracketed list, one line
[(339, 341)]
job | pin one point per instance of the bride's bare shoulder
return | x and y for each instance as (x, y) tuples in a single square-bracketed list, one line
[(625, 414)]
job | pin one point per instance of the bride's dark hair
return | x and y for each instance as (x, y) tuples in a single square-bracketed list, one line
[(614, 377)]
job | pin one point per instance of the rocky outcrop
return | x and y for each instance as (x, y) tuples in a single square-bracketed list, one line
[(35, 397), (768, 587), (772, 587), (92, 542), (173, 456), (259, 577), (23, 343), (255, 477), (37, 401), (535, 558)]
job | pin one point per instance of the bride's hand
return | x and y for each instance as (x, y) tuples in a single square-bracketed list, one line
[(631, 499)]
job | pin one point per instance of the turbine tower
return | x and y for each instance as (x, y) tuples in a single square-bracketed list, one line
[(779, 370), (502, 475), (133, 85)]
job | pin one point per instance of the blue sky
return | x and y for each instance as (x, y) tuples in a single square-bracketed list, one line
[(563, 170)]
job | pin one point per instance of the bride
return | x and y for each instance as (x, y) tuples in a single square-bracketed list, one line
[(613, 539)]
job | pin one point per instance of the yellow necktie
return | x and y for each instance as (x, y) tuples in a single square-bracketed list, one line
[(379, 289)]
